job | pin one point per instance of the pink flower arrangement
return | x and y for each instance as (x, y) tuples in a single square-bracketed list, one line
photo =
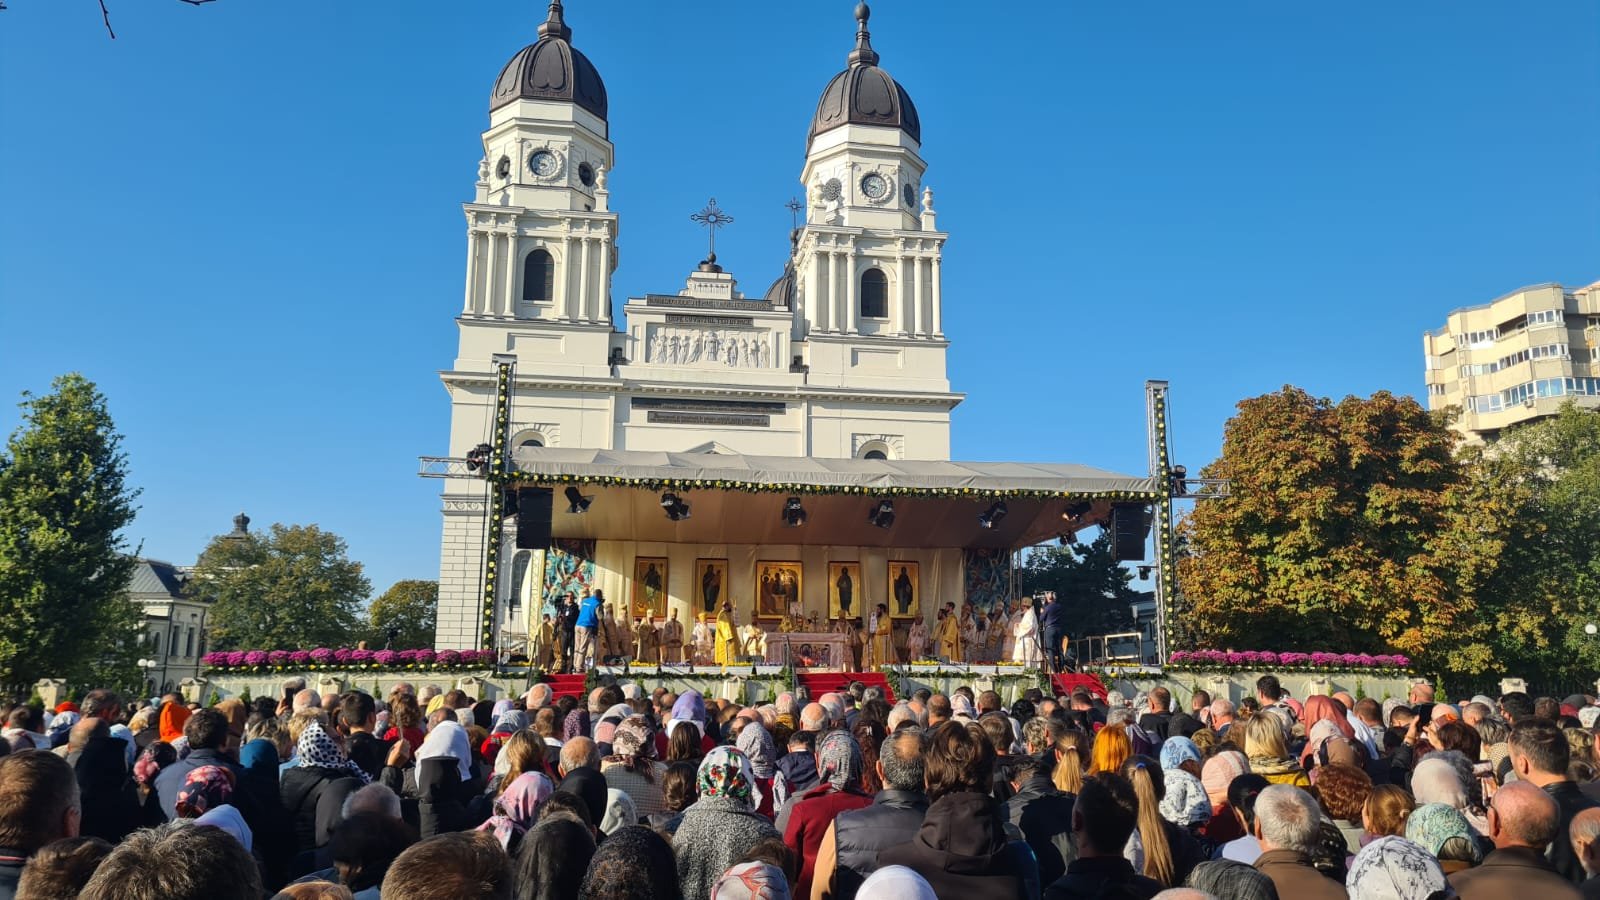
[(1215, 659), (422, 658)]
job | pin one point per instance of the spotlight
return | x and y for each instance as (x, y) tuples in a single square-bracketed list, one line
[(1076, 511), (882, 515), (576, 502), (1069, 539), (478, 457), (993, 514), (794, 515), (1144, 573), (1180, 483), (676, 509)]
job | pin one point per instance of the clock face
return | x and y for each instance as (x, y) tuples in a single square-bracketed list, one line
[(586, 174), (910, 193), (831, 189), (542, 164), (875, 186)]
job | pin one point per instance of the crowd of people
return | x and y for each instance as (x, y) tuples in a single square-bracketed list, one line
[(634, 795)]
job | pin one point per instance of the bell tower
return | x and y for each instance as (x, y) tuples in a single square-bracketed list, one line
[(540, 233)]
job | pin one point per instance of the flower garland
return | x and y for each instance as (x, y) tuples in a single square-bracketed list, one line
[(345, 658), (546, 479), (1292, 661)]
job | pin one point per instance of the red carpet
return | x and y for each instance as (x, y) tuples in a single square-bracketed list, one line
[(825, 682), (565, 685), (1065, 684)]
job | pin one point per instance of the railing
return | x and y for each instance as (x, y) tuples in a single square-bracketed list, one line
[(1123, 647)]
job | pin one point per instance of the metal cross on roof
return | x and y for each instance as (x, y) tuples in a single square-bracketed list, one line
[(712, 217), (794, 207)]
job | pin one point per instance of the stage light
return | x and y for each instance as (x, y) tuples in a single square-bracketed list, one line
[(676, 509), (1076, 511), (478, 457), (993, 514), (882, 516), (1180, 484), (1144, 573), (794, 515), (1069, 539), (576, 502)]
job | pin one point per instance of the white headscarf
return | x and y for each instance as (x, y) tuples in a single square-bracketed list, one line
[(896, 883), (448, 740), (1393, 868), (228, 819), (620, 811)]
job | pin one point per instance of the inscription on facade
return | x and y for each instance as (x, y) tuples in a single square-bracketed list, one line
[(659, 417), (707, 303), (696, 404), (727, 321)]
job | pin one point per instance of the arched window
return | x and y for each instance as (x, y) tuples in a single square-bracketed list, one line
[(529, 438), (874, 449), (874, 294), (538, 277), (874, 454)]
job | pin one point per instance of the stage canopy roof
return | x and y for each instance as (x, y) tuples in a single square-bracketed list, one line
[(736, 499)]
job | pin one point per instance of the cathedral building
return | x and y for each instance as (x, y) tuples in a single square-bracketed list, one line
[(842, 357)]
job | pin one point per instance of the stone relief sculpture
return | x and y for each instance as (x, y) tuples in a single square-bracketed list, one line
[(679, 347)]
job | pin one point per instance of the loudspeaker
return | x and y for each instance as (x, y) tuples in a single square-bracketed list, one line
[(534, 506), (1130, 523)]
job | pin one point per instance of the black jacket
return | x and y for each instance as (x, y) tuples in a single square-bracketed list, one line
[(1103, 878), (1044, 816), (369, 752), (110, 805), (1157, 724), (860, 835), (963, 851), (1572, 801), (301, 790)]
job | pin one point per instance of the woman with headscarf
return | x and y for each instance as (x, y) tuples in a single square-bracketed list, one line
[(576, 724), (553, 859), (1215, 776), (632, 768), (754, 880), (205, 787), (839, 768), (721, 826), (756, 743), (1396, 869), (506, 724), (1439, 778), (606, 727), (690, 707), (1185, 803), (1445, 832), (517, 808), (896, 883), (151, 761), (321, 763), (445, 779), (634, 862), (170, 723), (619, 813)]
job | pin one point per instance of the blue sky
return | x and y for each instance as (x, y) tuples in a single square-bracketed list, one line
[(242, 219)]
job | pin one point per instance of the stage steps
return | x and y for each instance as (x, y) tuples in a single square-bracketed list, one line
[(565, 685), (1066, 683), (819, 683)]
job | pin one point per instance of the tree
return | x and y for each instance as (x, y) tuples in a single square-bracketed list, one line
[(408, 609), (1351, 526), (64, 570), (1091, 587), (291, 588)]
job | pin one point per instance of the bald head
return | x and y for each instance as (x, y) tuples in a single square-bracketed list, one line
[(1522, 815), (578, 753), (813, 717), (538, 696), (307, 699), (596, 705), (1585, 835)]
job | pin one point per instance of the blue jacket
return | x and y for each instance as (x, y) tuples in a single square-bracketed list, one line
[(589, 612)]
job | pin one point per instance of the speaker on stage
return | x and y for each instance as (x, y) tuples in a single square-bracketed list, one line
[(533, 508), (1130, 523)]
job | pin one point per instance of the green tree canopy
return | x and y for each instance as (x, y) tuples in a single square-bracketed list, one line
[(292, 587), (1093, 590), (1351, 526), (409, 610), (64, 570)]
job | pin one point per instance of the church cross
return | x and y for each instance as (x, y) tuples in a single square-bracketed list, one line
[(712, 218), (794, 207)]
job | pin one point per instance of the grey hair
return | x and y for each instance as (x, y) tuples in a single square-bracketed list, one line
[(376, 797), (1040, 733), (1119, 715), (1493, 731), (1288, 817), (297, 683), (1234, 880), (902, 712), (873, 692), (576, 755), (1222, 706), (901, 758)]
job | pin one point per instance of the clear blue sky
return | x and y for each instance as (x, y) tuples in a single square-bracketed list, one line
[(242, 219)]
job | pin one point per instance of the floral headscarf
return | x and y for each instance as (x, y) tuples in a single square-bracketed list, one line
[(725, 773), (1432, 825), (155, 757), (751, 881), (576, 724), (839, 761), (518, 806), (1176, 751), (756, 744), (633, 745), (317, 750), (205, 787), (173, 717), (1393, 868)]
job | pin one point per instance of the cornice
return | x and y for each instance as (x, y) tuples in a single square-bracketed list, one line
[(949, 400)]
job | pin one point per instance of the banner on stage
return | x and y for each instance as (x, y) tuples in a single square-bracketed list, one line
[(905, 589), (649, 587), (777, 586), (844, 590), (710, 579)]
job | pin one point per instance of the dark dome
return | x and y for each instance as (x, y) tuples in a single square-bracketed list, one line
[(864, 94), (551, 69)]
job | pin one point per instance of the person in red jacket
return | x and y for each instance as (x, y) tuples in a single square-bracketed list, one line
[(839, 767)]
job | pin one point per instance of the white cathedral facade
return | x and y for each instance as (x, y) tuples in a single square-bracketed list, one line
[(843, 356)]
